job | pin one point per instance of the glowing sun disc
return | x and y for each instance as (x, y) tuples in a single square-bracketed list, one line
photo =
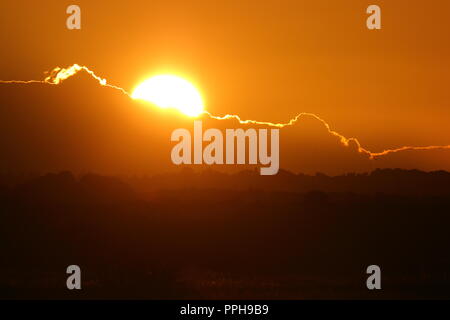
[(168, 91)]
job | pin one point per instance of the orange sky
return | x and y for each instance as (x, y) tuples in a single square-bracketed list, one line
[(264, 60)]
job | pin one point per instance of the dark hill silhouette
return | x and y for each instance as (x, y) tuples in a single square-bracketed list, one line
[(390, 181), (213, 235), (64, 188)]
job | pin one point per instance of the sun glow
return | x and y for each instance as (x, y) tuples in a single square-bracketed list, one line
[(168, 91)]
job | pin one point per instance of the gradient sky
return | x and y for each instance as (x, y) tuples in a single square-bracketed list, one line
[(264, 60)]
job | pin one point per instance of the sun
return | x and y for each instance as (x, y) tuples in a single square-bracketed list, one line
[(169, 91)]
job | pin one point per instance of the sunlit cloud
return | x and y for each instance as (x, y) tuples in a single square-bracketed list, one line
[(58, 75)]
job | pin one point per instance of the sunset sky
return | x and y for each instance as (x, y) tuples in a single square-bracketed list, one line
[(263, 60), (224, 149)]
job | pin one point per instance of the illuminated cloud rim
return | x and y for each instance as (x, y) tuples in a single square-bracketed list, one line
[(58, 75)]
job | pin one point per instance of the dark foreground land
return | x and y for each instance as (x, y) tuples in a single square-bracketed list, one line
[(209, 235)]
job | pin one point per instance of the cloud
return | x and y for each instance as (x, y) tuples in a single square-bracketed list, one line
[(58, 75), (308, 143)]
